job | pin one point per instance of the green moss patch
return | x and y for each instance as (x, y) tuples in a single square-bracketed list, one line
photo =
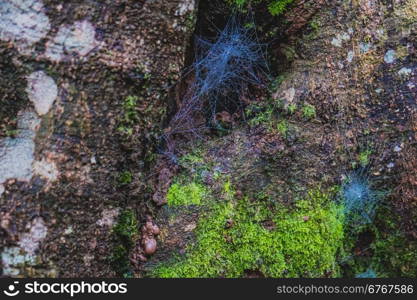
[(236, 235), (277, 7), (183, 195)]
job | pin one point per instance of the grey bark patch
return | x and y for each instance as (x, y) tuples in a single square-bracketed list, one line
[(29, 241), (185, 7), (405, 71), (108, 217), (339, 39), (17, 154), (78, 38), (350, 56), (23, 22), (46, 169), (13, 258), (42, 91), (390, 56), (365, 47)]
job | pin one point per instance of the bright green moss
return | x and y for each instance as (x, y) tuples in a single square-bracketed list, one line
[(292, 108), (277, 7), (181, 195), (364, 157), (231, 239), (309, 111), (282, 128)]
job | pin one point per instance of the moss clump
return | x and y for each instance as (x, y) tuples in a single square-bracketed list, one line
[(392, 254), (309, 111), (277, 7), (261, 115), (120, 261), (130, 115), (125, 177), (125, 234), (126, 228), (381, 247), (364, 157), (231, 238), (283, 128), (395, 256), (182, 195)]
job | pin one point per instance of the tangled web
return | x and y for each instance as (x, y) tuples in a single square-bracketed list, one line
[(223, 70), (360, 199)]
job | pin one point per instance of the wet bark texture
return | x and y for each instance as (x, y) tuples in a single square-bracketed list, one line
[(66, 138)]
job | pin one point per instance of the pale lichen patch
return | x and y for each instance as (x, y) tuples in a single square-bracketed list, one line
[(23, 22), (109, 217), (30, 241), (46, 169), (78, 38), (17, 154), (42, 91)]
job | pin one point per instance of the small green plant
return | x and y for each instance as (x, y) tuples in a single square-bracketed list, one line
[(289, 52), (308, 111), (183, 195), (130, 115), (239, 3), (125, 177), (292, 108), (277, 7), (364, 157), (250, 25), (314, 29), (277, 82), (283, 128), (126, 228), (147, 76), (125, 130), (129, 107), (264, 117), (315, 25), (192, 159), (228, 191)]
